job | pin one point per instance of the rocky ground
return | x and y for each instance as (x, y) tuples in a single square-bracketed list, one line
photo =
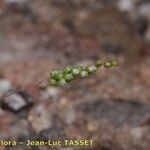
[(112, 107)]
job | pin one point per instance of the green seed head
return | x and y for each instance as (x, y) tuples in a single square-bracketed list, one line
[(79, 68), (98, 63), (67, 69), (52, 82), (57, 75), (62, 82), (91, 69), (68, 77), (107, 65), (53, 73), (84, 74), (114, 63), (75, 71)]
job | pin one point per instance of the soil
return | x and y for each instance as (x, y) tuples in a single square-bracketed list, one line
[(112, 107)]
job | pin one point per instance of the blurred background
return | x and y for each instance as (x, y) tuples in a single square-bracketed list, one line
[(112, 107)]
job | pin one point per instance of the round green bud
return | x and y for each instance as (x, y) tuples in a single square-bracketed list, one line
[(98, 63), (107, 65), (56, 74), (59, 75), (75, 71), (68, 77), (62, 82), (67, 69), (114, 63), (53, 73), (91, 69), (79, 68), (84, 74), (53, 82)]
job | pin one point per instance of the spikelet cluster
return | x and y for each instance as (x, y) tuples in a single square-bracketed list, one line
[(69, 73)]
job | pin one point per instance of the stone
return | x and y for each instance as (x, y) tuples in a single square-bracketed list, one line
[(15, 1), (64, 102), (146, 50), (125, 5), (5, 86), (51, 92), (111, 47), (1, 13), (139, 133), (17, 102), (40, 118), (53, 133), (143, 10), (116, 111), (6, 121), (20, 127), (147, 35), (70, 116), (69, 148), (145, 73), (92, 126)]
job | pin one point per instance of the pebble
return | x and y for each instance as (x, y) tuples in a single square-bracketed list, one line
[(147, 35), (1, 13), (6, 121), (145, 73), (111, 47), (138, 132), (69, 148), (70, 116), (64, 102), (92, 126), (145, 51), (5, 86), (143, 10), (53, 133), (115, 111), (40, 118), (51, 92), (125, 5), (17, 102), (15, 1), (20, 127)]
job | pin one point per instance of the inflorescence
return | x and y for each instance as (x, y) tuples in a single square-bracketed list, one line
[(69, 73)]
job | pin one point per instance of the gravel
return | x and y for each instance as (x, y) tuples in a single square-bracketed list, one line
[(5, 86), (17, 102)]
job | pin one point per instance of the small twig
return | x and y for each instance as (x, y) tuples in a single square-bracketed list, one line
[(21, 89)]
